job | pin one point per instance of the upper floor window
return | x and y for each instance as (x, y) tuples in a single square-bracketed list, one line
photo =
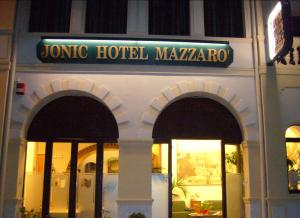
[(169, 17), (223, 18), (106, 16), (50, 15), (292, 139)]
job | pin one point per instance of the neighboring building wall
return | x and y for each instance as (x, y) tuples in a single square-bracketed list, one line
[(281, 108), (7, 11), (7, 15)]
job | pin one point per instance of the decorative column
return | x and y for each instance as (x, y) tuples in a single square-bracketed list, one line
[(252, 181), (135, 178), (15, 165)]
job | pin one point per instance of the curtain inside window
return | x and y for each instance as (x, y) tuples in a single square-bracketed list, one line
[(50, 15), (223, 18), (169, 17), (106, 16)]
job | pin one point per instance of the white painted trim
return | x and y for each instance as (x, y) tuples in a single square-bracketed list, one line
[(77, 19), (133, 70), (132, 17), (204, 88), (51, 90), (197, 18)]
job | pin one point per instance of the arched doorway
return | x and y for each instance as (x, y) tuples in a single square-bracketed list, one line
[(201, 139), (68, 137)]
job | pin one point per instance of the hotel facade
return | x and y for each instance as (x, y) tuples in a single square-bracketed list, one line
[(163, 109)]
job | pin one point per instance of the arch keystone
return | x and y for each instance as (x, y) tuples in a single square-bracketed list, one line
[(212, 87), (85, 85), (228, 95), (241, 106), (100, 91), (121, 117), (72, 84), (170, 93), (183, 87), (41, 92), (158, 103), (149, 118), (28, 103), (113, 103), (56, 85), (198, 86)]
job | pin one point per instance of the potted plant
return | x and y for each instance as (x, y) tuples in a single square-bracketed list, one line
[(206, 206), (29, 213)]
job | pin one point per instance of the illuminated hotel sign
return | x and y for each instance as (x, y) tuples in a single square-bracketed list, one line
[(144, 52), (279, 32)]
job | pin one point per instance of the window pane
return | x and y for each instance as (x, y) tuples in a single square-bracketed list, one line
[(110, 179), (231, 14), (34, 176), (160, 180), (160, 158), (106, 16), (234, 183), (50, 15), (197, 176), (86, 172), (169, 17), (293, 132), (60, 179), (232, 159), (293, 164)]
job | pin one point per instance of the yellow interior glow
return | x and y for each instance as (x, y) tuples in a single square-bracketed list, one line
[(164, 159), (197, 145), (293, 132), (30, 157), (231, 148)]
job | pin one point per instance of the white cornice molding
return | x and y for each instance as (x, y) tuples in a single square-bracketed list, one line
[(133, 70)]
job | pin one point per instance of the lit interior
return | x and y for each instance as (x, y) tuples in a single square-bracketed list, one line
[(293, 158), (293, 132), (197, 172), (60, 177), (197, 178)]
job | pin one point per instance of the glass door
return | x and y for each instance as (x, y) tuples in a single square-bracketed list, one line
[(86, 179), (73, 179), (60, 179)]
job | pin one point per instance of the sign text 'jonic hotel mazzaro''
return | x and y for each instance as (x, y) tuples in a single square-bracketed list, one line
[(104, 51)]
